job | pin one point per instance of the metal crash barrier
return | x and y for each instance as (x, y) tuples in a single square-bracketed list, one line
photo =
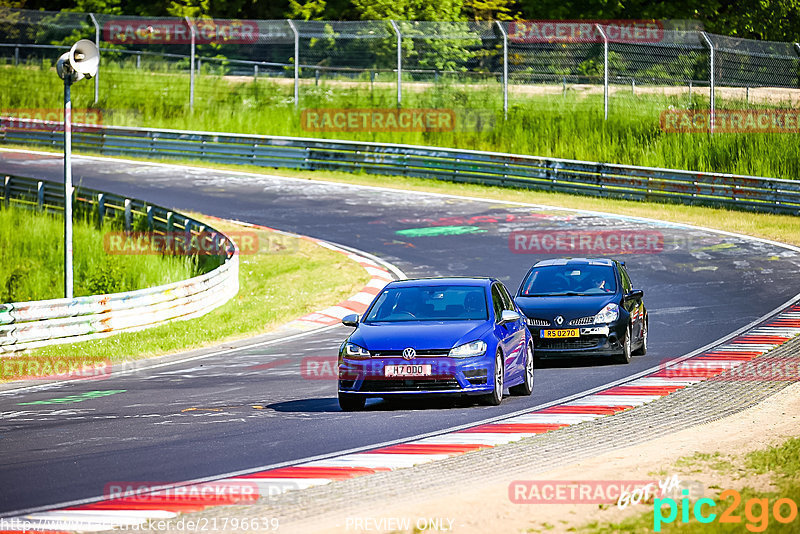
[(489, 168)]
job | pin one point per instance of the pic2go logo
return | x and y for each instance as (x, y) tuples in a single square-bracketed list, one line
[(756, 511)]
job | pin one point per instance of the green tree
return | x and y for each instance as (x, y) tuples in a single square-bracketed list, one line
[(308, 10), (490, 10), (408, 9)]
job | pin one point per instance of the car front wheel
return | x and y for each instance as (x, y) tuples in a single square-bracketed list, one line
[(642, 350), (526, 387), (496, 396), (625, 355)]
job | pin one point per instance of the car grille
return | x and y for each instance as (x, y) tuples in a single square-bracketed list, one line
[(538, 322), (399, 353), (566, 344), (583, 321), (410, 385)]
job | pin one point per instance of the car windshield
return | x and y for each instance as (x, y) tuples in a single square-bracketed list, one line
[(560, 280), (429, 303)]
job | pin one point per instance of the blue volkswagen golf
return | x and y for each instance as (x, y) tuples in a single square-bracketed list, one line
[(435, 336)]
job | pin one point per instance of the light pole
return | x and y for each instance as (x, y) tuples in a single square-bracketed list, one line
[(80, 62)]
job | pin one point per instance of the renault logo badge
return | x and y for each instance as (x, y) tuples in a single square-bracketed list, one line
[(409, 354), (558, 320)]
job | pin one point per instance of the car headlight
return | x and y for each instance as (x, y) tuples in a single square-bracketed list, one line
[(354, 351), (609, 314), (468, 350)]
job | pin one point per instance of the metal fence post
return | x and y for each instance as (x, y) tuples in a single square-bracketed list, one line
[(399, 63), (68, 274), (296, 63), (605, 70), (191, 62), (505, 69), (797, 48), (16, 55), (711, 80), (40, 196), (97, 43), (128, 218)]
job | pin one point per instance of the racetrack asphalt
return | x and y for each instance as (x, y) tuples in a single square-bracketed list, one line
[(189, 421)]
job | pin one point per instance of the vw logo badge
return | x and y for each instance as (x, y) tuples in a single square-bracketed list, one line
[(409, 354), (558, 320)]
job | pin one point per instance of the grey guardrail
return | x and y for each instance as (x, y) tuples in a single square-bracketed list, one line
[(27, 325), (491, 168)]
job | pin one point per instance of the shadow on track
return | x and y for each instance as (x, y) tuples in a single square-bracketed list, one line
[(330, 405), (572, 362)]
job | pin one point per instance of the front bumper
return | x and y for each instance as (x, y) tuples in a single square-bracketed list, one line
[(468, 376), (605, 340)]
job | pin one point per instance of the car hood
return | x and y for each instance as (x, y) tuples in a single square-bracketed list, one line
[(417, 334), (570, 307)]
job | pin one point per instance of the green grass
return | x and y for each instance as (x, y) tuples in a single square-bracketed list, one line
[(298, 278), (32, 259), (784, 460), (570, 126)]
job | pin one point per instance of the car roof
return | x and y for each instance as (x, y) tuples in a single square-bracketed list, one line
[(575, 261), (444, 281)]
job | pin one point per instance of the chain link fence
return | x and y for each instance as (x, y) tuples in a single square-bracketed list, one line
[(503, 58)]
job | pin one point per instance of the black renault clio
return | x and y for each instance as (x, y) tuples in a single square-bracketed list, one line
[(579, 306)]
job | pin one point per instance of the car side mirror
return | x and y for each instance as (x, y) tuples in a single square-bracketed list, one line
[(350, 320), (508, 316), (635, 294)]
